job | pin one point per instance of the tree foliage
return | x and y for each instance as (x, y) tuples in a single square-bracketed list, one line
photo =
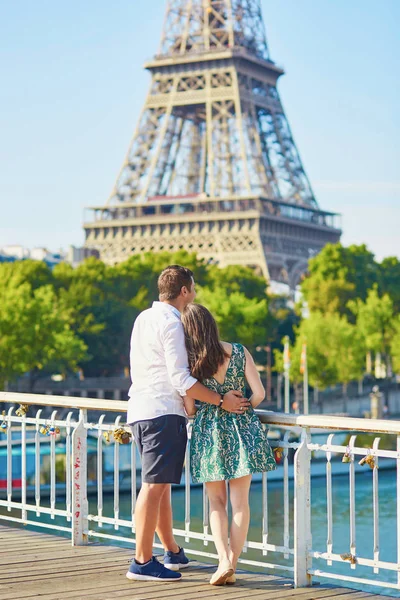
[(335, 351), (35, 332), (239, 318), (67, 318), (338, 274)]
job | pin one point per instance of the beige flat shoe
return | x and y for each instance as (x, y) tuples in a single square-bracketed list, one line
[(220, 577), (231, 580)]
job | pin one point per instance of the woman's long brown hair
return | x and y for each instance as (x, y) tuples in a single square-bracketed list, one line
[(205, 351)]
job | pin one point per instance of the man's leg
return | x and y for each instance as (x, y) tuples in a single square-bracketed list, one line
[(165, 520), (146, 518)]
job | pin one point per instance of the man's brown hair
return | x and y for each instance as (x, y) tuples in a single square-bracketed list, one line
[(172, 280)]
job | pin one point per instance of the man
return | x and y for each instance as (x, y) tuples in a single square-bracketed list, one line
[(160, 378)]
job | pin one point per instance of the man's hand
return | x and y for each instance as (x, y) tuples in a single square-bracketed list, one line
[(235, 403)]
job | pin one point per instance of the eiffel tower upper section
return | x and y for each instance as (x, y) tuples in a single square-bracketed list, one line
[(212, 128)]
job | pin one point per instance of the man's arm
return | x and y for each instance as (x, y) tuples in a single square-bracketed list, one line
[(181, 379), (190, 406)]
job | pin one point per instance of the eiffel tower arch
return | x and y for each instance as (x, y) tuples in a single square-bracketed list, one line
[(212, 166)]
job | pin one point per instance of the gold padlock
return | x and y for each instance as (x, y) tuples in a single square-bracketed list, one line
[(22, 410), (370, 461), (346, 456), (350, 557), (125, 438), (121, 436)]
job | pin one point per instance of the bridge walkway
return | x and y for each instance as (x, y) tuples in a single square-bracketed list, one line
[(36, 565)]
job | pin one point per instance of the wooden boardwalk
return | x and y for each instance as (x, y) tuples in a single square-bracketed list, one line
[(36, 565)]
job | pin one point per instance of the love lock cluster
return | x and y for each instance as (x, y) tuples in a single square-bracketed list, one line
[(366, 460), (3, 424), (278, 453), (49, 430), (120, 435)]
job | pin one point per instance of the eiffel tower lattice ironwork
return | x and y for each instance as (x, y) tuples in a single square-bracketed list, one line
[(212, 166)]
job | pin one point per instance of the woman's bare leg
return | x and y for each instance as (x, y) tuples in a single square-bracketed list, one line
[(216, 491), (239, 495)]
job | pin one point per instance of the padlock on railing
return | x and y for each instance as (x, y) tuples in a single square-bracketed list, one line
[(121, 436), (22, 410), (350, 557), (347, 456), (368, 460)]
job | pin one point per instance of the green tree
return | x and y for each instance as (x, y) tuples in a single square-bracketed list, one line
[(338, 274), (136, 278), (377, 323), (395, 346), (35, 333), (347, 351), (335, 352), (34, 272), (236, 278), (240, 319), (389, 280), (100, 315)]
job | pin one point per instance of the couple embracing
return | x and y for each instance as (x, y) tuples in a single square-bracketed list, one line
[(177, 358)]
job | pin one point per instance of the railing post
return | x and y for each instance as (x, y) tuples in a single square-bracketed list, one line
[(79, 483), (302, 513)]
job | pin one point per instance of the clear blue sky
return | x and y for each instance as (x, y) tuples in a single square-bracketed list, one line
[(72, 86)]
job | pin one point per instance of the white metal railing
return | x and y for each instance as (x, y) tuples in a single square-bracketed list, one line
[(56, 491)]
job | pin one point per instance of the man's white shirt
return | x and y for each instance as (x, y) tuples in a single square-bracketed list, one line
[(159, 364)]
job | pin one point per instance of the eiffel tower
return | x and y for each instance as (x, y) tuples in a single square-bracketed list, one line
[(212, 166)]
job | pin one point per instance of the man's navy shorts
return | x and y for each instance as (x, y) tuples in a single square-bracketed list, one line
[(162, 445)]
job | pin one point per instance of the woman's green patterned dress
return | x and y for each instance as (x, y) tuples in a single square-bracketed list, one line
[(227, 445)]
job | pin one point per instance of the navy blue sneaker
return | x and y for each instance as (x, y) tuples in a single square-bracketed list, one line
[(176, 560), (151, 571)]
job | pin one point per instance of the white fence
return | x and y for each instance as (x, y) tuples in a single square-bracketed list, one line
[(46, 478)]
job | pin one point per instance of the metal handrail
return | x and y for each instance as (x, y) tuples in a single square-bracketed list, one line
[(267, 417)]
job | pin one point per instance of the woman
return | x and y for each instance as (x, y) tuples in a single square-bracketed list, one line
[(224, 446)]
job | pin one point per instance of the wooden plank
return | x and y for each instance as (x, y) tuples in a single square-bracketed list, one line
[(32, 557), (25, 550), (226, 591), (113, 579), (31, 562), (15, 542), (55, 570)]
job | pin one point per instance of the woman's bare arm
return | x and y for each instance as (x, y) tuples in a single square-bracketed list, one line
[(190, 407), (254, 381)]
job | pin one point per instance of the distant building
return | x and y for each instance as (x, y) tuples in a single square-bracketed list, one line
[(73, 255)]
